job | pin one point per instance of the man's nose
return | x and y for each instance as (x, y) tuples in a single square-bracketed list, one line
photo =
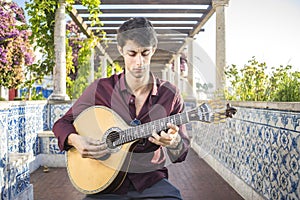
[(139, 60)]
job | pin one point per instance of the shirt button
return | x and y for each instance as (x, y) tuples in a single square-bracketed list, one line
[(131, 100)]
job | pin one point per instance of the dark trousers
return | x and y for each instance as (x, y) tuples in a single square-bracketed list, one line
[(161, 190)]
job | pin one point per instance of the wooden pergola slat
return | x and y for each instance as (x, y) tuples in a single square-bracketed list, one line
[(157, 2), (120, 11), (173, 20)]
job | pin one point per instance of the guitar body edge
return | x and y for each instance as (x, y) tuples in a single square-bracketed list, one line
[(92, 176)]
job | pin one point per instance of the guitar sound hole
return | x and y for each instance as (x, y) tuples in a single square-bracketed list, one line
[(112, 137)]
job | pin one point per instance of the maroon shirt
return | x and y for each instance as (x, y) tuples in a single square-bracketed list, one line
[(148, 163)]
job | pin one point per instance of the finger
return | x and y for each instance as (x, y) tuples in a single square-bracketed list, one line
[(101, 153), (172, 128), (155, 135), (157, 142), (165, 136), (163, 139), (95, 154), (93, 141), (97, 148)]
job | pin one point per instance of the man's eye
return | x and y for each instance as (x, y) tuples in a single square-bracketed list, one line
[(146, 53), (132, 54)]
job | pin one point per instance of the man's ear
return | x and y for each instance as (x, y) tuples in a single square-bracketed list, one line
[(120, 49), (153, 50)]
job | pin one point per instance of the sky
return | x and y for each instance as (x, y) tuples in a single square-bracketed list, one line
[(266, 29)]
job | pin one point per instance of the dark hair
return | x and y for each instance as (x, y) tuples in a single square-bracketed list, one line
[(138, 29)]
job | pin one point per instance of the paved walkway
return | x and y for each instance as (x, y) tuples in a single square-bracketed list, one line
[(195, 179)]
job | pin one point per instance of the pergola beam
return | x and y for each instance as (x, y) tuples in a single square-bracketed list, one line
[(84, 28), (157, 2)]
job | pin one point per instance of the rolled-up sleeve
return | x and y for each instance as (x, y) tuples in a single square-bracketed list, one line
[(63, 127)]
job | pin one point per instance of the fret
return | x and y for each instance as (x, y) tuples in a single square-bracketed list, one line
[(177, 120), (123, 138), (127, 135), (162, 124), (135, 132), (145, 130), (157, 126), (171, 120), (142, 130), (166, 120), (186, 116), (129, 138), (174, 120), (153, 126)]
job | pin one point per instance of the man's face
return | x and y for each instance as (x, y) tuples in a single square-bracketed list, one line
[(137, 59)]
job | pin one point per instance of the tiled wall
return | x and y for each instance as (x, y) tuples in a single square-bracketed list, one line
[(19, 124), (20, 146), (259, 146), (3, 153)]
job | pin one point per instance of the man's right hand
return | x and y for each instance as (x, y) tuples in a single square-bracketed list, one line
[(88, 147)]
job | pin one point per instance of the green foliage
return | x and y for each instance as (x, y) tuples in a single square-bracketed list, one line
[(256, 82), (2, 99), (286, 84), (81, 81), (42, 22), (31, 94), (15, 49), (109, 71)]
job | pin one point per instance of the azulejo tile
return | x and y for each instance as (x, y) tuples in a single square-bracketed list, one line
[(53, 146), (295, 120), (57, 111), (264, 145)]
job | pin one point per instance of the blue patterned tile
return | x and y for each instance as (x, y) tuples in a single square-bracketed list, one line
[(53, 146), (262, 147), (56, 112)]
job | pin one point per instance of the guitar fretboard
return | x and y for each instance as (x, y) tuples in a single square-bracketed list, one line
[(146, 130)]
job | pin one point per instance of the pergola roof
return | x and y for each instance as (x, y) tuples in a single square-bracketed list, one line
[(173, 20)]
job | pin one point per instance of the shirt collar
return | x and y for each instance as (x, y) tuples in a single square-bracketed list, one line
[(154, 87)]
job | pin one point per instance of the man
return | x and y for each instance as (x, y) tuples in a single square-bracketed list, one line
[(138, 97)]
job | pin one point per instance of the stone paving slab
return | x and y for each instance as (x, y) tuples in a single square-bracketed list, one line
[(194, 177)]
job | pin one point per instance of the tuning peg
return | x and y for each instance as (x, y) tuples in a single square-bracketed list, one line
[(230, 111)]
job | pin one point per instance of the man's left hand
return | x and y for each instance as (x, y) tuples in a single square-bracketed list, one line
[(171, 138)]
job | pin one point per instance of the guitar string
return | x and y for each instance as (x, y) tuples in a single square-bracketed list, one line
[(133, 133)]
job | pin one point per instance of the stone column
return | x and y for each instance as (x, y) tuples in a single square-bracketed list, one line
[(219, 6), (177, 70), (104, 66), (4, 93), (169, 72), (191, 67), (92, 67), (164, 74), (59, 70)]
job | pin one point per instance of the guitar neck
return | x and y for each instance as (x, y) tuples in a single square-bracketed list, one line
[(202, 113), (145, 130)]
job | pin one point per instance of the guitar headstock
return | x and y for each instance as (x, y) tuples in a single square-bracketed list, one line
[(211, 113)]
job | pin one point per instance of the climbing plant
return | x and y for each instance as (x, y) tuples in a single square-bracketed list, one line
[(42, 21), (15, 49), (255, 81)]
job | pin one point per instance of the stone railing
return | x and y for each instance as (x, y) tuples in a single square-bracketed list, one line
[(19, 124), (26, 145), (257, 152)]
